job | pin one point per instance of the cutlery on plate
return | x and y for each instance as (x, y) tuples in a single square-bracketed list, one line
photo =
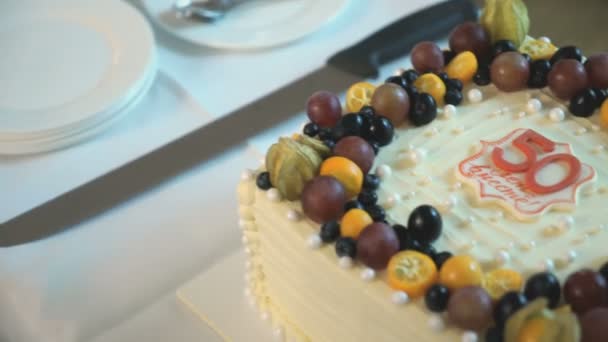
[(205, 10), (358, 62)]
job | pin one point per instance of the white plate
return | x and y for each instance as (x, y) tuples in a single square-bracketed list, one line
[(74, 136), (64, 63), (253, 25)]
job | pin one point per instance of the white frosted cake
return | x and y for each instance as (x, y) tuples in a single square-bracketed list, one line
[(434, 212)]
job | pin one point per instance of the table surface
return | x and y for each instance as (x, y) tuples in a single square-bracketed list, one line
[(113, 278)]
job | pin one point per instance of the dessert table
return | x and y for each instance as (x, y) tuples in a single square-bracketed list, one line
[(113, 278)]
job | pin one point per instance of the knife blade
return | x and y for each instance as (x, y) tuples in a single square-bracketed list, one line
[(353, 64)]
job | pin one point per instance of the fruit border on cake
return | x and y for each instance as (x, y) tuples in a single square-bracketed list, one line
[(328, 169)]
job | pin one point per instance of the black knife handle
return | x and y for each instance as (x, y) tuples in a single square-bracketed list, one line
[(397, 39)]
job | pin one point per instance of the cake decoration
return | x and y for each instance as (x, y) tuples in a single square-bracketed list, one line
[(353, 222), (292, 162), (593, 325), (535, 322), (376, 244), (436, 298), (436, 323), (585, 290), (368, 274), (359, 95), (330, 231), (518, 187), (506, 20), (470, 308), (323, 199), (412, 272), (400, 298)]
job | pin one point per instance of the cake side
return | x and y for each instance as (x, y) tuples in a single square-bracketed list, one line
[(293, 283)]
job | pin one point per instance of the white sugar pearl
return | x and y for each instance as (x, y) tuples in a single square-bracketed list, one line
[(314, 241), (368, 274), (498, 215), (431, 132), (449, 204), (566, 222), (469, 336), (278, 334), (345, 262), (409, 195), (580, 131), (436, 323), (398, 72), (273, 194), (400, 298), (247, 175), (449, 111), (475, 95), (557, 114), (426, 180), (458, 129), (533, 106), (456, 186), (392, 201), (467, 222), (595, 128), (547, 265), (293, 215), (545, 39), (502, 257), (520, 115), (413, 157), (598, 149), (383, 171), (265, 316), (571, 255)]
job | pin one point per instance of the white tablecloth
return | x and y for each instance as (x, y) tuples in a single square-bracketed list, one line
[(81, 283)]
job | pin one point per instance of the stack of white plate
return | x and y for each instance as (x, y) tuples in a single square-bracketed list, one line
[(69, 69)]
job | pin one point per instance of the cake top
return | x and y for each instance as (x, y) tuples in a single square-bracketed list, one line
[(483, 204)]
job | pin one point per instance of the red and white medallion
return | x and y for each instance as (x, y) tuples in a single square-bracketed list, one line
[(526, 173)]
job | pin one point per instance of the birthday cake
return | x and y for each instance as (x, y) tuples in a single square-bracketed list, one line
[(461, 199)]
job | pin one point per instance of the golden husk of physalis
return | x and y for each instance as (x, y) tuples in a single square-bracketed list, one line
[(506, 20), (292, 162), (536, 322)]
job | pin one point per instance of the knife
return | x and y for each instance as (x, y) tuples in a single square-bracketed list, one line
[(360, 61)]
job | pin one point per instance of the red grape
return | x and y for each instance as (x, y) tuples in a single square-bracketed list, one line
[(427, 57), (567, 78), (470, 36), (585, 290), (594, 325), (356, 149), (324, 109), (597, 70), (323, 199), (376, 245), (391, 101), (510, 71), (470, 308)]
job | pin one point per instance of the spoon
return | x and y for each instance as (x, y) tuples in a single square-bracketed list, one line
[(206, 10)]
